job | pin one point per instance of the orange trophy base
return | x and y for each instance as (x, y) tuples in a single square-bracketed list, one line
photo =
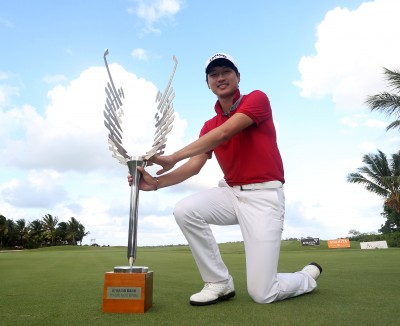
[(128, 292)]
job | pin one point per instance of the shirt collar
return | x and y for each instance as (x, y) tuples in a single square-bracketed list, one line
[(218, 107)]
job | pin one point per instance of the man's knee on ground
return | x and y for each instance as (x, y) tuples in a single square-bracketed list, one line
[(259, 297)]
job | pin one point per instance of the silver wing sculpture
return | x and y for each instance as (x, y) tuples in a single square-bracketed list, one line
[(113, 114)]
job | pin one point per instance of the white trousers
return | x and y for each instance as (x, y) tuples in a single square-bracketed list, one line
[(260, 214)]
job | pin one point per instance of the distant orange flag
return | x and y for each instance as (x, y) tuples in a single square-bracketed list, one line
[(339, 243)]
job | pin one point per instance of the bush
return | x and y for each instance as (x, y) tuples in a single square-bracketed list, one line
[(393, 239), (367, 237)]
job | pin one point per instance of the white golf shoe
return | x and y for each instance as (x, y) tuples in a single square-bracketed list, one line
[(313, 269), (213, 293)]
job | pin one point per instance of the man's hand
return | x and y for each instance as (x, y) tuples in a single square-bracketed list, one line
[(167, 162), (147, 182)]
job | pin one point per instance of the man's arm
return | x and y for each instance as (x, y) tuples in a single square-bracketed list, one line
[(207, 142), (187, 170)]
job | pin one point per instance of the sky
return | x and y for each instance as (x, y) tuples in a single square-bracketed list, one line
[(316, 60)]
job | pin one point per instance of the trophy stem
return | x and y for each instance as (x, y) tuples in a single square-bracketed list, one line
[(133, 213)]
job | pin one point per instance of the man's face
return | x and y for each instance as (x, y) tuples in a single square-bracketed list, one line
[(223, 81)]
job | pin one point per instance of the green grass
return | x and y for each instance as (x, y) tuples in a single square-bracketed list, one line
[(64, 286)]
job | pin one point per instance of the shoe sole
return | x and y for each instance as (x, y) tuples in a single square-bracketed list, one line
[(316, 265), (207, 303)]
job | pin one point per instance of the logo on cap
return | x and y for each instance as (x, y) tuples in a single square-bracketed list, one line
[(223, 56), (218, 56)]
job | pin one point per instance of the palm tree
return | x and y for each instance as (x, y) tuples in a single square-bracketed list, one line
[(61, 233), (392, 223), (3, 229), (22, 231), (73, 230), (81, 233), (50, 224), (36, 232), (386, 102), (11, 235), (380, 177)]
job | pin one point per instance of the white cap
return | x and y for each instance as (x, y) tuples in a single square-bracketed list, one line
[(218, 57)]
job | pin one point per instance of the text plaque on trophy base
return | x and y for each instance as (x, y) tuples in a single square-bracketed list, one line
[(128, 292)]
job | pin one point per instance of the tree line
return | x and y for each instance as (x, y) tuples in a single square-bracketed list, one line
[(380, 174), (39, 233)]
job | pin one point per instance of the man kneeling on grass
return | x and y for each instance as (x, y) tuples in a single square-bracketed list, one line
[(242, 137)]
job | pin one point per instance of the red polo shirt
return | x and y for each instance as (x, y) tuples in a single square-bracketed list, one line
[(252, 155)]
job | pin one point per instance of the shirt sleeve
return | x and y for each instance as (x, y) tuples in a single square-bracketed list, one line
[(203, 131), (256, 105)]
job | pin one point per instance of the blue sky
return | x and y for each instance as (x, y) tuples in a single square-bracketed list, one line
[(316, 60)]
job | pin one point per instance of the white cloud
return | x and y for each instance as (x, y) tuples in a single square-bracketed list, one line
[(140, 54), (41, 189), (71, 134), (394, 142), (351, 49), (58, 161), (375, 123), (352, 121), (327, 212), (4, 75), (6, 91), (362, 120), (368, 146), (154, 11)]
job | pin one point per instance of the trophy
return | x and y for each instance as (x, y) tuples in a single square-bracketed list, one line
[(129, 288)]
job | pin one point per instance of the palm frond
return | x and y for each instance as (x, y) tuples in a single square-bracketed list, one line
[(395, 164), (369, 185), (376, 165), (388, 103), (379, 175), (395, 124), (385, 102), (393, 78)]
